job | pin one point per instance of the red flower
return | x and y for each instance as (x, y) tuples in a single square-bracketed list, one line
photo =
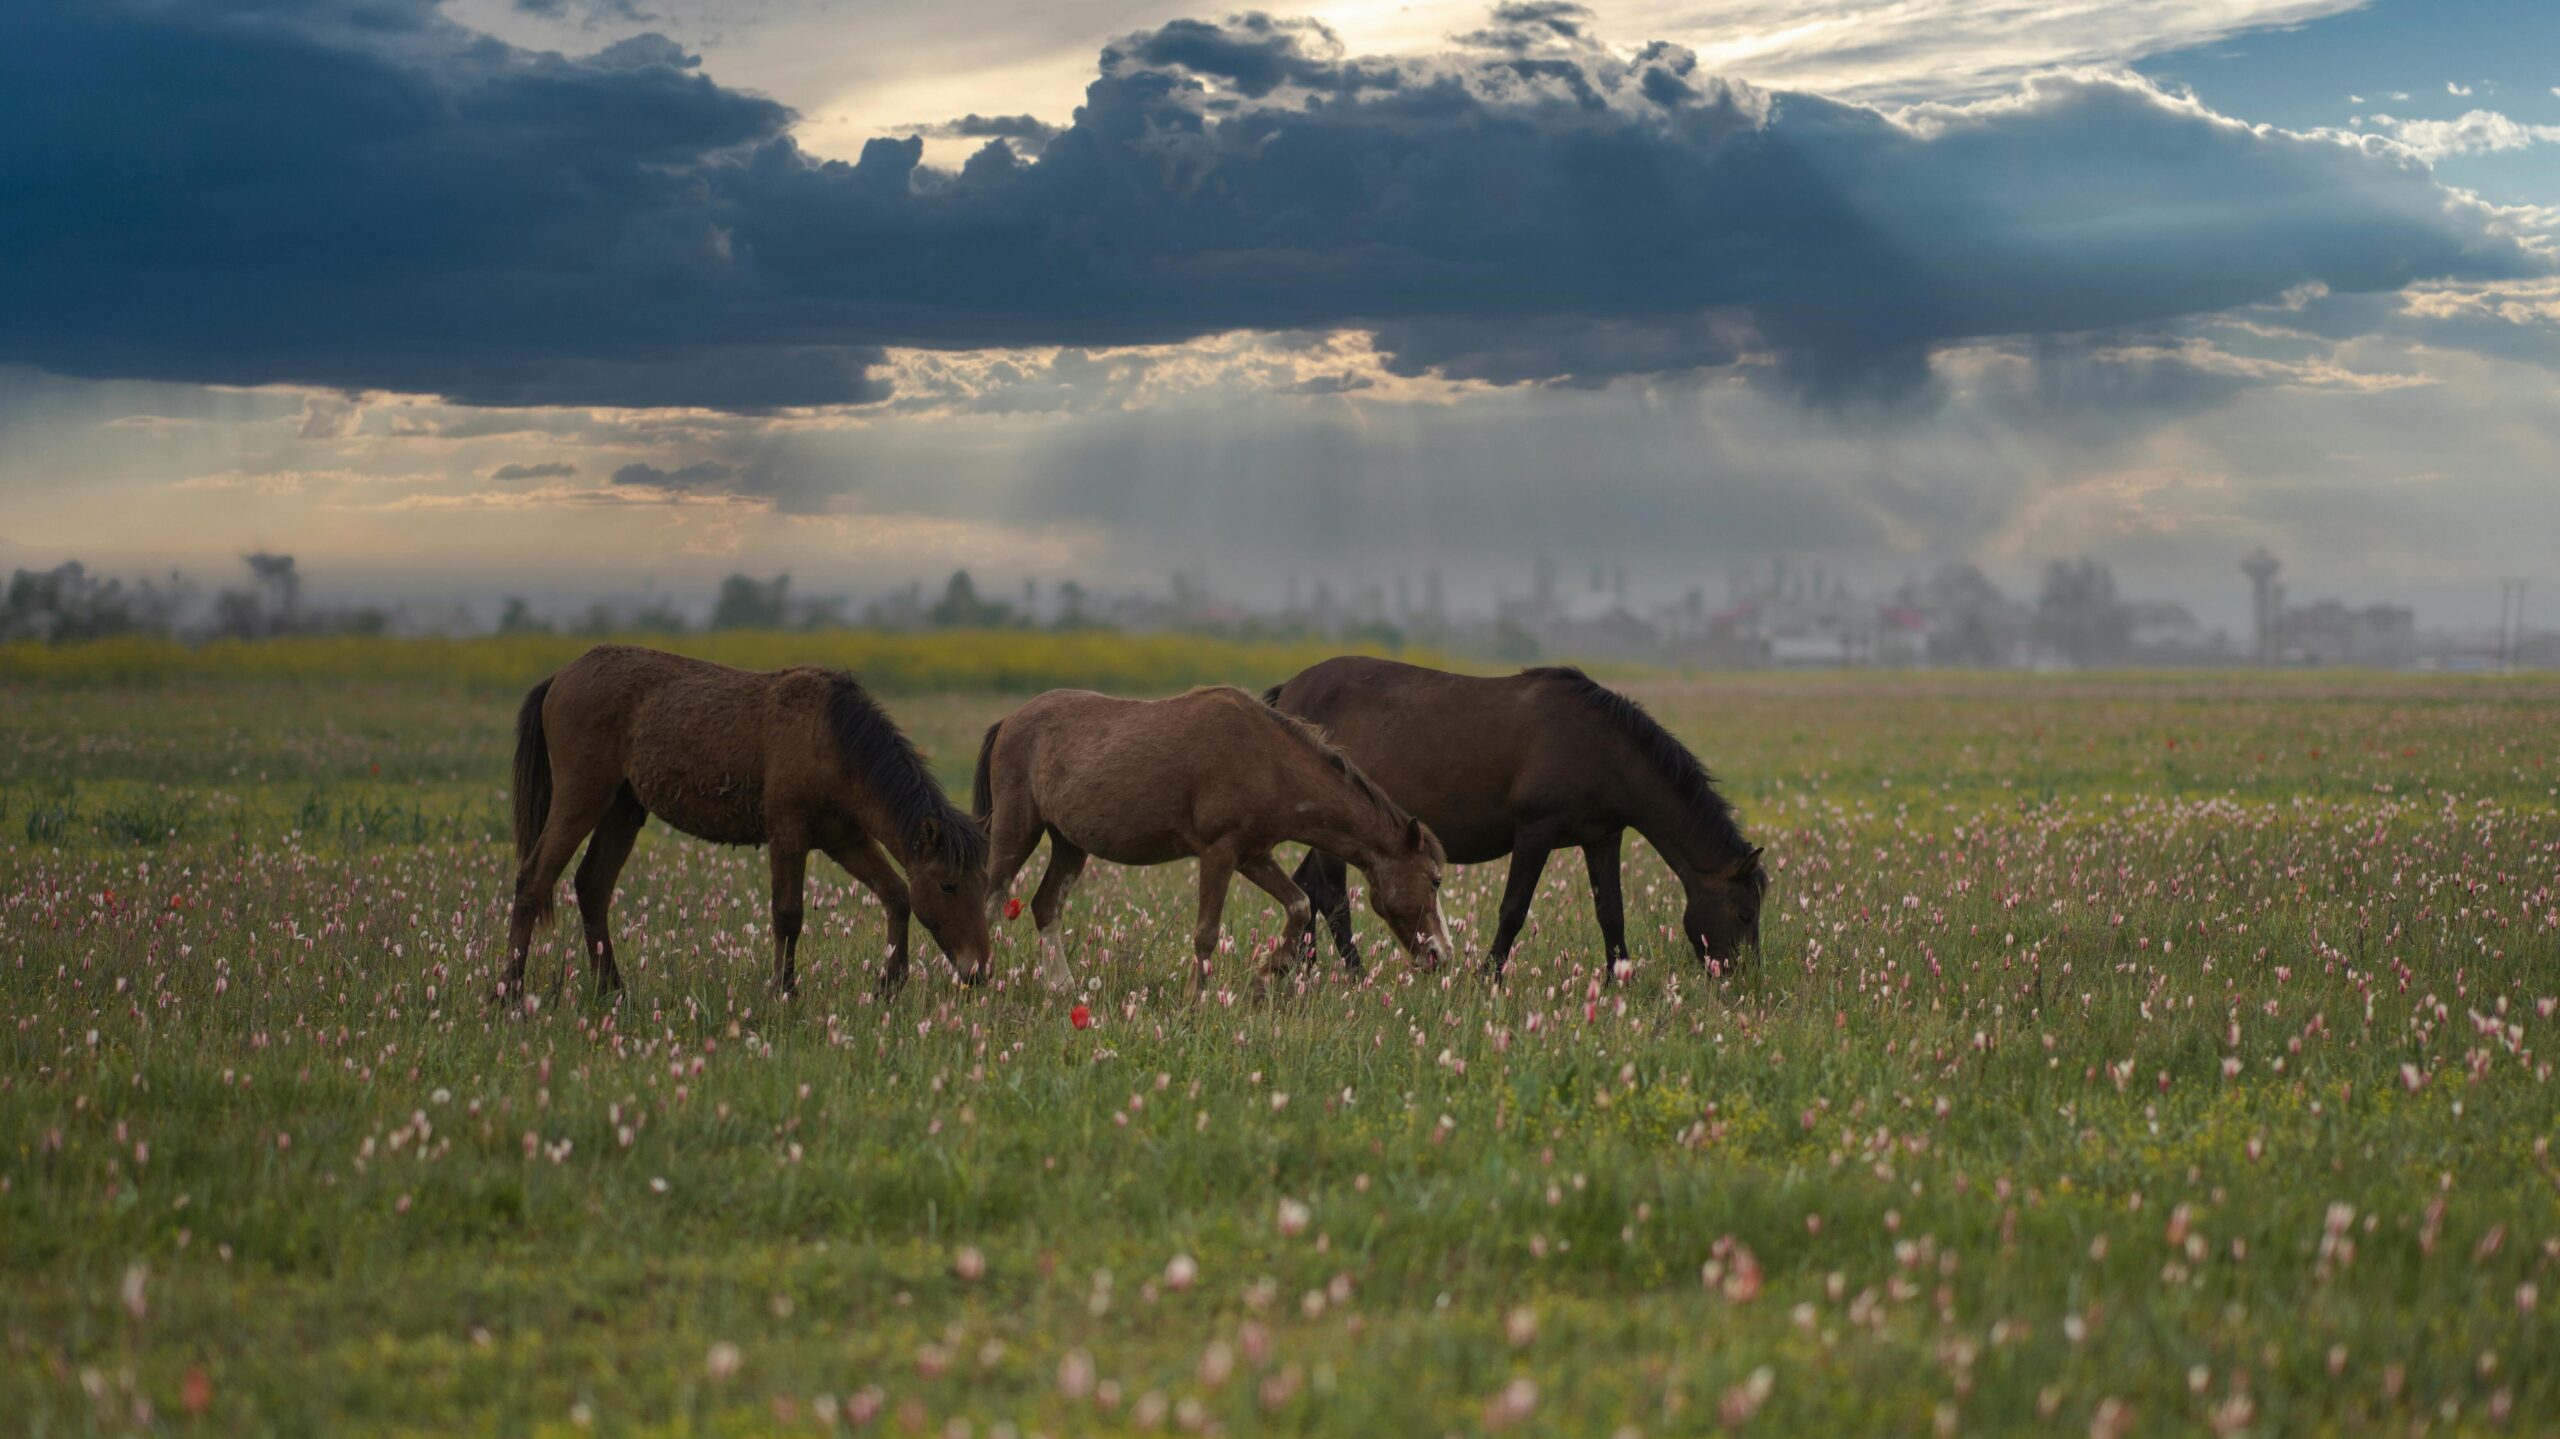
[(1013, 909), (1080, 1017)]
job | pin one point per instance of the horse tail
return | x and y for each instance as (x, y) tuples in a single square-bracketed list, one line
[(533, 772), (982, 787)]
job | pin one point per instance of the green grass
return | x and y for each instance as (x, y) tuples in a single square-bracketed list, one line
[(2156, 1052)]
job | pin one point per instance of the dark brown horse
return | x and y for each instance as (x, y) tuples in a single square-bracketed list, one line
[(1524, 765), (1213, 773), (795, 760)]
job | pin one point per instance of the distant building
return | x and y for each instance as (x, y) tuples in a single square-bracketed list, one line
[(2330, 633), (2266, 602)]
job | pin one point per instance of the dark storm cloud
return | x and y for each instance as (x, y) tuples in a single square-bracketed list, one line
[(370, 196), (702, 476), (1029, 129), (1533, 24), (588, 10)]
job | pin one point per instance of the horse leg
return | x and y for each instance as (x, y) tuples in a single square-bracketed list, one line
[(869, 865), (1066, 865), (1013, 832), (1608, 901), (1327, 882), (1528, 861), (1217, 869), (1298, 937), (578, 803), (606, 854), (790, 867)]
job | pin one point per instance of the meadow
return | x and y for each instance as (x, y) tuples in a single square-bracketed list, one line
[(2129, 1055)]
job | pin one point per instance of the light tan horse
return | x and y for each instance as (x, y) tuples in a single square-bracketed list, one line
[(795, 760), (1215, 774)]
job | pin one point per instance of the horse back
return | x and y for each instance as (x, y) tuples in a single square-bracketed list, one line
[(1463, 753), (701, 745)]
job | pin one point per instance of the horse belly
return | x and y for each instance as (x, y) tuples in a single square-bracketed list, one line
[(722, 808), (1118, 804), (1475, 843), (1124, 838)]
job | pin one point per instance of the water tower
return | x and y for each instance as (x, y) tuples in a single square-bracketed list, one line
[(2261, 569)]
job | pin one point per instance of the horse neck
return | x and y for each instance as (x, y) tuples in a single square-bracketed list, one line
[(1347, 823), (1677, 831), (872, 816)]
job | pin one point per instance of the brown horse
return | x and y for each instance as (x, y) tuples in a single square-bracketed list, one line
[(796, 760), (1524, 765), (1213, 773)]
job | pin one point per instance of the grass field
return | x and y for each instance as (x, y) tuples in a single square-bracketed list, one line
[(2130, 1055)]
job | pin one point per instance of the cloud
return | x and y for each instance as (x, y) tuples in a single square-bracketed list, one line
[(692, 478), (2477, 132), (1522, 26), (532, 472), (588, 11), (329, 417), (377, 198), (552, 497), (1032, 131)]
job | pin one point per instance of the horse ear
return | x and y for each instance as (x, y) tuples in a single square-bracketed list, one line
[(929, 834), (1416, 838)]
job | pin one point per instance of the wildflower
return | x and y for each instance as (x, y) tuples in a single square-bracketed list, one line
[(1081, 1017), (1294, 1218), (1517, 1401), (1013, 909), (723, 1362), (1744, 1399), (970, 1264), (1181, 1272), (1075, 1374)]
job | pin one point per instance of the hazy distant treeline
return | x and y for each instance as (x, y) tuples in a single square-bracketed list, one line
[(1003, 660)]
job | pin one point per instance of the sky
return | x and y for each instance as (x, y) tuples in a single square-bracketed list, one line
[(564, 297)]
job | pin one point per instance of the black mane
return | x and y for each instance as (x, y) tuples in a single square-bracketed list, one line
[(875, 748), (1688, 778)]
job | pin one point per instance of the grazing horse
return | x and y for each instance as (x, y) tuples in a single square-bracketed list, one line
[(1525, 765), (1213, 773), (796, 760)]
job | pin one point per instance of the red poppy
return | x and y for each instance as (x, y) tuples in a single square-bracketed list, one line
[(1013, 909), (1081, 1017)]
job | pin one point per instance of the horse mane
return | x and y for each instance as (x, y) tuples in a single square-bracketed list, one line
[(1670, 758), (1313, 737), (873, 747)]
